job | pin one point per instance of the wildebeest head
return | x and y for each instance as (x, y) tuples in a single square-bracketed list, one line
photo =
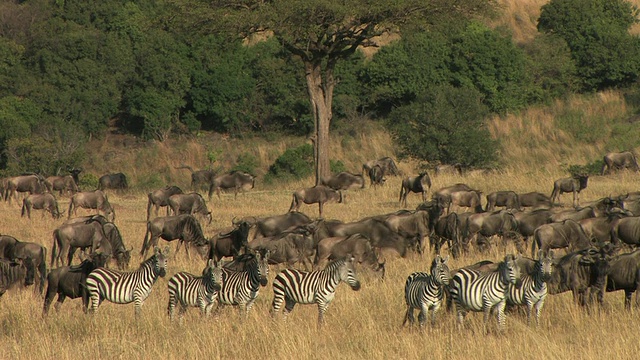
[(160, 261), (347, 272), (582, 180), (123, 258), (30, 277)]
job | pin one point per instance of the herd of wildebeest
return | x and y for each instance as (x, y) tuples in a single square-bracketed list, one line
[(599, 239)]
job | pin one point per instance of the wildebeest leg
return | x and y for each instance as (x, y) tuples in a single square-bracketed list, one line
[(70, 253), (320, 207), (61, 298), (177, 248)]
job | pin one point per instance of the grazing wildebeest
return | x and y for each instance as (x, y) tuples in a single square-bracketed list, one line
[(624, 274), (117, 181), (14, 272), (274, 225), (343, 181), (184, 228), (448, 169), (289, 248), (573, 184), (32, 184), (567, 234), (62, 184), (91, 200), (230, 243), (14, 250), (626, 230), (316, 195), (443, 195), (159, 198), (70, 282), (621, 160), (120, 253), (417, 224), (44, 201), (200, 178), (447, 229), (376, 176), (69, 237), (471, 199), (534, 200), (334, 248), (192, 204), (417, 184), (576, 214), (506, 199), (502, 223), (236, 180), (386, 164)]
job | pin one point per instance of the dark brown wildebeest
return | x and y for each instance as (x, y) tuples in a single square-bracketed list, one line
[(502, 223), (443, 195), (343, 181), (506, 199), (576, 214), (448, 169), (376, 176), (70, 282), (200, 178), (184, 228), (289, 248), (624, 274), (617, 161), (159, 198), (117, 181), (417, 184), (447, 229), (631, 202), (44, 201), (230, 242), (192, 204), (69, 237), (316, 195), (14, 272), (567, 234), (598, 229), (236, 180), (14, 250), (603, 206), (274, 225), (573, 184), (62, 184), (386, 164), (32, 184), (335, 248), (534, 200), (471, 199), (416, 224), (626, 230), (529, 221), (92, 200)]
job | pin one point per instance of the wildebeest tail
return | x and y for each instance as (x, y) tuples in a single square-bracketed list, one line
[(294, 202), (401, 192), (42, 268), (56, 237), (145, 242), (533, 244), (24, 207), (149, 205)]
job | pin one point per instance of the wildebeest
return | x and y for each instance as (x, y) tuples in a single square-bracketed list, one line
[(44, 201), (448, 169), (626, 230), (119, 252), (621, 160), (376, 176), (576, 214), (236, 180), (32, 184), (343, 181), (502, 223), (534, 200), (573, 184), (416, 224), (62, 184), (274, 225), (184, 228), (567, 234), (443, 195), (191, 203), (15, 250), (471, 199), (599, 228), (14, 272), (505, 199), (117, 181), (316, 195), (335, 248), (92, 200), (69, 237), (447, 229), (417, 184), (200, 178), (159, 198), (70, 282), (231, 242), (624, 274), (289, 248), (529, 221), (386, 164)]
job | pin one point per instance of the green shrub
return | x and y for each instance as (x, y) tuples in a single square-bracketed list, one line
[(337, 166), (88, 182), (247, 163), (295, 163), (592, 168), (153, 181)]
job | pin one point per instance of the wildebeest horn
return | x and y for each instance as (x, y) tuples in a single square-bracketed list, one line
[(234, 221)]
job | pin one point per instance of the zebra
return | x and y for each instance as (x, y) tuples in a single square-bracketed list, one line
[(242, 287), (533, 290), (474, 291), (319, 287), (191, 290), (425, 291), (126, 287)]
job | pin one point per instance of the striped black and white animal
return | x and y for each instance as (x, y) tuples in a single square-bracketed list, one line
[(425, 291), (316, 287), (127, 287), (533, 289), (474, 291), (241, 287), (198, 291)]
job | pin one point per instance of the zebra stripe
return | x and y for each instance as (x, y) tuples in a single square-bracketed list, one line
[(533, 290), (425, 291), (242, 287), (126, 287), (293, 286), (197, 291), (474, 291)]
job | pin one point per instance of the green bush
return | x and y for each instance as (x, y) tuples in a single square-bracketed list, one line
[(593, 168), (337, 166), (88, 182), (247, 163), (152, 181), (294, 163)]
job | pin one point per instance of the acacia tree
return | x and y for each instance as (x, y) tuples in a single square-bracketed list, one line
[(323, 32)]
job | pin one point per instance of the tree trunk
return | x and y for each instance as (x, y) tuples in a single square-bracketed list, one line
[(321, 96)]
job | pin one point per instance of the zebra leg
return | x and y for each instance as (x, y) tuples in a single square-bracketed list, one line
[(538, 308), (322, 308), (276, 303), (461, 314), (171, 306), (501, 317), (138, 305), (408, 316), (289, 304), (422, 316)]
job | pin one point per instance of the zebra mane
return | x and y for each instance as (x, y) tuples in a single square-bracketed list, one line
[(149, 261), (336, 264)]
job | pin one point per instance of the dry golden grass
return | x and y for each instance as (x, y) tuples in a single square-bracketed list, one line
[(364, 324)]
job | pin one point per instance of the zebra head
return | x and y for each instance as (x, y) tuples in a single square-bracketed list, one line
[(544, 265), (262, 267), (347, 273), (440, 270), (213, 274), (160, 261), (509, 270)]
